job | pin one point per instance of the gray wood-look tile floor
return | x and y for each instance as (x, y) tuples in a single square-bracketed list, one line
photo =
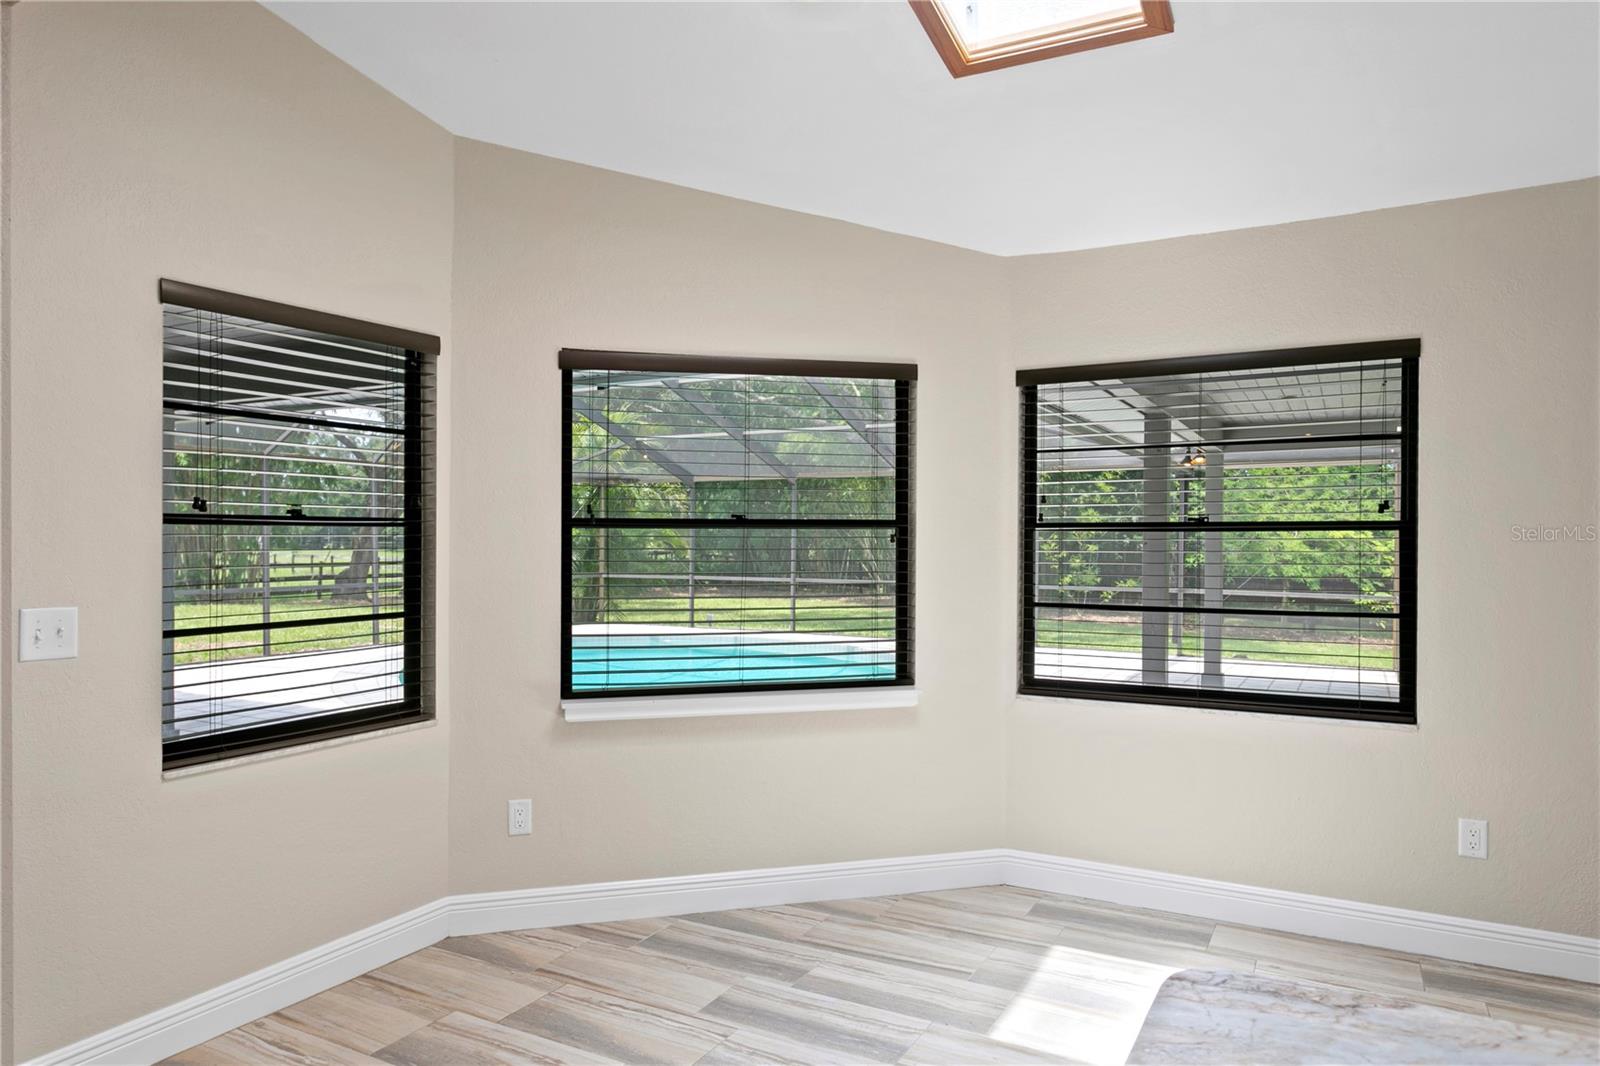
[(982, 975)]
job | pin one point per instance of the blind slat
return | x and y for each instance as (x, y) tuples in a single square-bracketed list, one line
[(296, 504), (1230, 531)]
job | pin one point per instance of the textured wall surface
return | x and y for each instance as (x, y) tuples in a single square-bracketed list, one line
[(552, 255), (213, 144), (1502, 289)]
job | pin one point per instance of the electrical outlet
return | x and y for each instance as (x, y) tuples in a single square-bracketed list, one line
[(1472, 838), (519, 818)]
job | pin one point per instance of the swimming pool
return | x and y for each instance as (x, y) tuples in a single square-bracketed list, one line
[(702, 658)]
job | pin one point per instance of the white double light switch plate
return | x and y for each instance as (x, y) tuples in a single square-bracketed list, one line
[(47, 633)]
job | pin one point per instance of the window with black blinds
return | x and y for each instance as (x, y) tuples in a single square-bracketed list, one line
[(1232, 531), (296, 503), (735, 524)]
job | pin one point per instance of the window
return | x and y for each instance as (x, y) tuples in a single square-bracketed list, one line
[(297, 510), (1235, 532), (735, 525), (973, 36)]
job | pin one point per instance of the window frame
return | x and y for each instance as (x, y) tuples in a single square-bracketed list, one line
[(903, 375), (1404, 712), (417, 704), (1154, 19)]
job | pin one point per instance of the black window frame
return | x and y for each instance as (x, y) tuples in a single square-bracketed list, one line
[(904, 376), (1401, 711), (417, 704)]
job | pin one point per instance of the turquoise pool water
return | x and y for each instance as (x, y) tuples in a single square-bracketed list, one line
[(646, 661)]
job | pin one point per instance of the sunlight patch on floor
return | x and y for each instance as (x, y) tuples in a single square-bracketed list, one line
[(1082, 1005)]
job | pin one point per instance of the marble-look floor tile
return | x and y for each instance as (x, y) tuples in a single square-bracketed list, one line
[(996, 899), (779, 923), (903, 947), (657, 980), (952, 921), (274, 1040), (1158, 952), (1368, 983), (857, 1032), (1573, 1023), (863, 909), (464, 984), (203, 1055), (1109, 918), (1511, 989), (630, 931), (467, 1040), (555, 939), (1100, 1034), (931, 997), (1203, 1017), (942, 1046), (987, 975), (505, 950), (1073, 1004), (754, 1047), (363, 1014), (1070, 976), (618, 1028), (1320, 956), (735, 952)]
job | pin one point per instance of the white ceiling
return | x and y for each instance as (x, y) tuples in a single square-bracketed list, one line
[(1246, 115)]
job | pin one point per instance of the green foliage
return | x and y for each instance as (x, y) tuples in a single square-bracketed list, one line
[(243, 477), (1357, 563)]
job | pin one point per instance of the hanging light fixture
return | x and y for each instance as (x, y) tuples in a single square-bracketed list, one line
[(1193, 458)]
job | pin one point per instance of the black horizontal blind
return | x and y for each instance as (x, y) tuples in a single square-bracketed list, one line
[(297, 495), (731, 529), (1234, 532)]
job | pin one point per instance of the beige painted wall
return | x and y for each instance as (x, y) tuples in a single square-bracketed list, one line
[(551, 254), (1503, 291), (217, 145)]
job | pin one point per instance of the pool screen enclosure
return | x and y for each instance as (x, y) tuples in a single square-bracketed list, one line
[(296, 513), (1234, 531), (734, 524)]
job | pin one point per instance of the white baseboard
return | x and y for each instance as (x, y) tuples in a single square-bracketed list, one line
[(1510, 947), (199, 1018), (657, 897)]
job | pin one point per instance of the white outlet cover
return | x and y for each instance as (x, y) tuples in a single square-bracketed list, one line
[(1472, 838), (519, 817), (47, 633)]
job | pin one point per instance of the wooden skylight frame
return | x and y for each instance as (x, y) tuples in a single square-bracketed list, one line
[(1151, 19)]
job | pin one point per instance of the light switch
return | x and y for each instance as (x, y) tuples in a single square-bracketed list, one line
[(47, 633)]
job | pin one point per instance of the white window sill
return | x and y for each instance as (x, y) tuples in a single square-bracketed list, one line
[(600, 709)]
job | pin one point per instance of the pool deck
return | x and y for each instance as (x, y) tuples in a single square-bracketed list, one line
[(1238, 675), (239, 692)]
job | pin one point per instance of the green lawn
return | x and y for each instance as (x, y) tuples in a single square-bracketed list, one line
[(247, 643)]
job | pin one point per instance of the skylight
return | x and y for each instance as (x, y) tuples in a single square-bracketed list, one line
[(977, 35)]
